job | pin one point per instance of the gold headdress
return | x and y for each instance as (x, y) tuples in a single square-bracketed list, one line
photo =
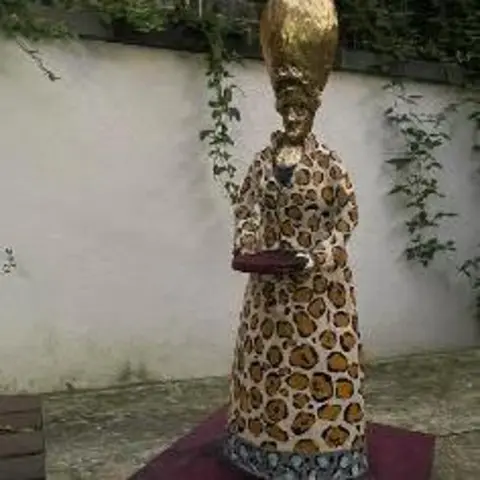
[(299, 40)]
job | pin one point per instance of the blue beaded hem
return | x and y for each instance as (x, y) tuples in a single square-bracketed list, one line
[(338, 465)]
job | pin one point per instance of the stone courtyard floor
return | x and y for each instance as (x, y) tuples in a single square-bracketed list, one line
[(107, 435)]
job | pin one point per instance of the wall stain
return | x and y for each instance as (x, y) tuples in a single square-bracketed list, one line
[(129, 374)]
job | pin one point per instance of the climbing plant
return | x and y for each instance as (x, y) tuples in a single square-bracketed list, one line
[(26, 23), (447, 32), (471, 269), (416, 167), (223, 112), (213, 29), (216, 28), (400, 31), (9, 262)]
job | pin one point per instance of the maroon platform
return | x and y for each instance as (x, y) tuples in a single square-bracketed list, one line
[(394, 454)]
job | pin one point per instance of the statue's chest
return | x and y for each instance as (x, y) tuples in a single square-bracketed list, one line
[(298, 191)]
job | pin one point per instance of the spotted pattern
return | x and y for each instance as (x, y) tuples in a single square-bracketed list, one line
[(296, 380)]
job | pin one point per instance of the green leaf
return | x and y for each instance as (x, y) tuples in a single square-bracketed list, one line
[(234, 114), (399, 162), (205, 133), (397, 189)]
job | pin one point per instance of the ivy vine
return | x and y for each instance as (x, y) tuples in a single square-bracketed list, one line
[(471, 270), (24, 22), (447, 32), (9, 263), (417, 168), (213, 29), (221, 84)]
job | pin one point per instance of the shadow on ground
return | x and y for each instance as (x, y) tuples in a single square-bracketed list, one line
[(107, 435)]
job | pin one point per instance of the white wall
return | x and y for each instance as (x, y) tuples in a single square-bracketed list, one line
[(123, 239)]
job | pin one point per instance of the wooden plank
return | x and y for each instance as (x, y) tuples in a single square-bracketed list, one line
[(23, 468), (16, 444), (22, 447), (14, 422), (19, 403)]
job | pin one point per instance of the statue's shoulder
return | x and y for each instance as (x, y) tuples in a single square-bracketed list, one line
[(324, 150), (259, 160), (266, 153), (261, 157)]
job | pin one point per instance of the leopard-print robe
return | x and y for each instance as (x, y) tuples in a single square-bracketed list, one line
[(296, 403)]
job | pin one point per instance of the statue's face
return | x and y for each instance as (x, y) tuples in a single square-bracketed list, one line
[(297, 119)]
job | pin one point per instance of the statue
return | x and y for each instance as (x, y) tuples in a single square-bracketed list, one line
[(296, 400)]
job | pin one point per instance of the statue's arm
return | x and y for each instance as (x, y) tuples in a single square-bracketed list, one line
[(245, 214), (344, 219), (347, 208)]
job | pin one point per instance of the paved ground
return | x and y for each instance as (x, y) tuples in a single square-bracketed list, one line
[(106, 435)]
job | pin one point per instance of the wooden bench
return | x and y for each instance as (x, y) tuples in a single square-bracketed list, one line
[(22, 445)]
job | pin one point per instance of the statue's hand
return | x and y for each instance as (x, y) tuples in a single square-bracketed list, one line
[(307, 258)]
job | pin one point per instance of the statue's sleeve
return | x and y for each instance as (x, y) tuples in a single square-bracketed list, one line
[(246, 215), (339, 227)]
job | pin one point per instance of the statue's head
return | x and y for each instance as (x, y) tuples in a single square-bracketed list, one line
[(297, 101), (299, 41)]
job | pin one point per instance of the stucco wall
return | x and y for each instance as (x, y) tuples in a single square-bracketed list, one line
[(123, 239)]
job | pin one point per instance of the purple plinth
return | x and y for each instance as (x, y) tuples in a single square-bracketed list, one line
[(394, 454)]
